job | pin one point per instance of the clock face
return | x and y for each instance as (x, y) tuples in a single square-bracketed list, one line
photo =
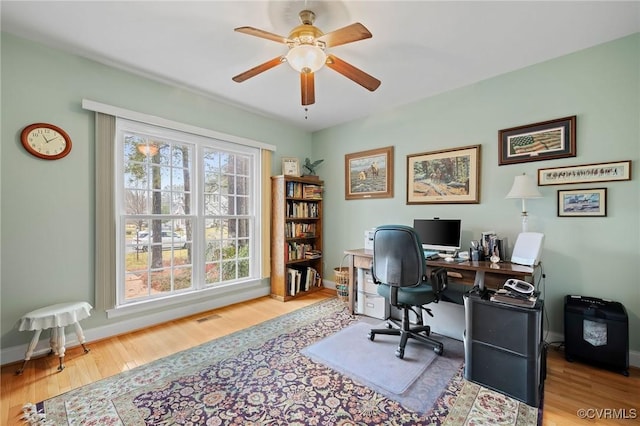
[(46, 141)]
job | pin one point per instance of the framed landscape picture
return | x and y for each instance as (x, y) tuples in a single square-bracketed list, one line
[(582, 202), (546, 140), (369, 174), (447, 176)]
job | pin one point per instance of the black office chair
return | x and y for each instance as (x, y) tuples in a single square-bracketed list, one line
[(399, 269)]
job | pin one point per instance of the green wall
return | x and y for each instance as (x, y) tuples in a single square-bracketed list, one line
[(597, 257), (47, 235), (48, 206)]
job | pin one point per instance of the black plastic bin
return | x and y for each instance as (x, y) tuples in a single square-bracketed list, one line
[(504, 349), (596, 331)]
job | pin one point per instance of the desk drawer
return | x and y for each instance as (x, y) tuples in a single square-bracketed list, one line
[(492, 280), (362, 262), (368, 285), (372, 305), (461, 276)]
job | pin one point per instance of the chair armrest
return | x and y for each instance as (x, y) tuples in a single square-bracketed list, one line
[(439, 280), (373, 275)]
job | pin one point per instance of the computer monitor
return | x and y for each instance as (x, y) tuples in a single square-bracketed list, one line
[(439, 235)]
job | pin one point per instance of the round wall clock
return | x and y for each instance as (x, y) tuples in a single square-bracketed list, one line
[(46, 141)]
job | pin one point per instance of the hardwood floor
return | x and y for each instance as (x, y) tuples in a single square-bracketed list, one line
[(569, 387)]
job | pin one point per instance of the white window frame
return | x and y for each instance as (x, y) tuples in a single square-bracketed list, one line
[(105, 271), (198, 145)]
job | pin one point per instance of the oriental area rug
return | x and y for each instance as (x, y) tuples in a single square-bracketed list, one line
[(266, 375)]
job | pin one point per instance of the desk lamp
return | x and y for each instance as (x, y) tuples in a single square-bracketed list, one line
[(524, 187)]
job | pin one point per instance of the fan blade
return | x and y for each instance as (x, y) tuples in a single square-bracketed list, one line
[(353, 73), (348, 34), (262, 34), (307, 87), (258, 69)]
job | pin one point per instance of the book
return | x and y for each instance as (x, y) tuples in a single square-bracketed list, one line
[(516, 300), (313, 254), (312, 192)]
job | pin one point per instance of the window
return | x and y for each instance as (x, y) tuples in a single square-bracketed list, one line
[(186, 208)]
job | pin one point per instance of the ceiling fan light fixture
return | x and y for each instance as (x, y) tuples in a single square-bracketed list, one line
[(306, 57)]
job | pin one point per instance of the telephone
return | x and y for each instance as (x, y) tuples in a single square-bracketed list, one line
[(518, 286)]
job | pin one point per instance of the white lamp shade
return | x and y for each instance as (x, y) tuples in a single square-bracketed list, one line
[(524, 187)]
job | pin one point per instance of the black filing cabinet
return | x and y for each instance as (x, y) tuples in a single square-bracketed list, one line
[(596, 331), (504, 348)]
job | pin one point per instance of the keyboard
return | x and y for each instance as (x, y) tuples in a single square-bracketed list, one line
[(434, 255)]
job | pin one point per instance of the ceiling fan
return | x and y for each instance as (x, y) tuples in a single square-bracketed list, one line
[(307, 54)]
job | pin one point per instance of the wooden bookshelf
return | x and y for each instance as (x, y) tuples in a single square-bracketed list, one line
[(296, 236)]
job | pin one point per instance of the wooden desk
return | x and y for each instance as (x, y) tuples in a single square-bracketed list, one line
[(471, 273)]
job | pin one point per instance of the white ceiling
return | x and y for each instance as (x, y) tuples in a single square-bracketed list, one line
[(418, 49)]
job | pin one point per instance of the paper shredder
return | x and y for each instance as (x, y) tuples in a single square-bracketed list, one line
[(596, 331)]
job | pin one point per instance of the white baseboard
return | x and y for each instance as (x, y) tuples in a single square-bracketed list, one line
[(17, 353)]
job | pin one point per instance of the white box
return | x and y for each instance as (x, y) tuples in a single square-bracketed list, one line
[(375, 306), (368, 239)]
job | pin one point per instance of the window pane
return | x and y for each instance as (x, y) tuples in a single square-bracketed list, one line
[(136, 175), (212, 272), (212, 204), (136, 286), (178, 178), (213, 251), (211, 165), (242, 185), (228, 270), (182, 278), (229, 250), (243, 228), (227, 162), (243, 268), (181, 156), (242, 206), (136, 202), (161, 281), (213, 229), (243, 164), (161, 178), (163, 157)]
